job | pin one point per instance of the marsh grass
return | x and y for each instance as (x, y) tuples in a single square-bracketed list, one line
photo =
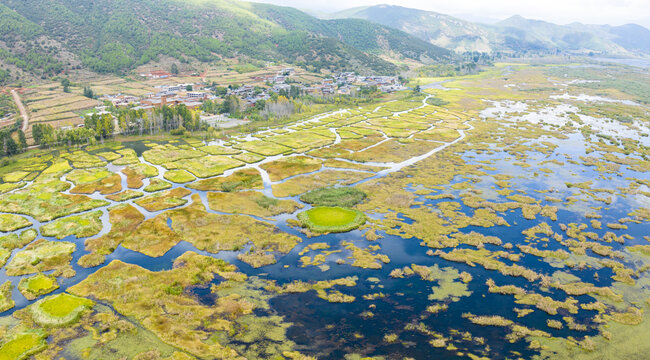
[(343, 196)]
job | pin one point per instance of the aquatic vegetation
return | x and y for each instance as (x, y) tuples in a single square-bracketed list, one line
[(257, 258), (218, 150), (150, 290), (249, 158), (59, 310), (448, 288), (85, 225), (326, 178), (156, 184), (107, 185), (541, 302), (366, 258), (331, 219), (303, 140), (207, 166), (438, 134), (153, 237), (81, 159), (393, 151), (461, 205), (44, 201), (37, 285), (291, 166), (6, 300), (124, 219), (10, 222), (161, 154), (179, 176), (343, 197), (136, 173), (214, 233), (493, 320), (41, 256), (15, 241), (250, 202), (239, 180), (23, 345), (262, 147), (164, 200), (488, 260), (125, 195), (128, 156)]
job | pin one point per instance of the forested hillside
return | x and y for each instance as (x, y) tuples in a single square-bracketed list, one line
[(43, 37), (513, 35)]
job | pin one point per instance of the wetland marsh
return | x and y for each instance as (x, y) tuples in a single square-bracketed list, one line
[(508, 221)]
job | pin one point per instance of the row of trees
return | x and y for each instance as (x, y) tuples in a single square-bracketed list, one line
[(130, 122), (10, 144)]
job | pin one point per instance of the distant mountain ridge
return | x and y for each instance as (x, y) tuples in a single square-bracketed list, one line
[(44, 37), (515, 34)]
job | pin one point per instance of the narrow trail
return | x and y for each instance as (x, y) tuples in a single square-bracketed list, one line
[(21, 109)]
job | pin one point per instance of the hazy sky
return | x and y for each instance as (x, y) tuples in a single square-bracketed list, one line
[(614, 12)]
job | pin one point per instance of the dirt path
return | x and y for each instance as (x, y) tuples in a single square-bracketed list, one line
[(21, 108)]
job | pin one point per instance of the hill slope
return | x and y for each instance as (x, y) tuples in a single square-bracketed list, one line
[(46, 36), (514, 34), (438, 29)]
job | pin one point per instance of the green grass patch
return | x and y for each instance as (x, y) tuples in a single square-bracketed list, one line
[(290, 166), (10, 222), (218, 150), (125, 195), (6, 301), (331, 219), (249, 158), (81, 226), (179, 176), (23, 345), (207, 166), (263, 147), (343, 196), (239, 180), (37, 285), (41, 256), (157, 185), (59, 310)]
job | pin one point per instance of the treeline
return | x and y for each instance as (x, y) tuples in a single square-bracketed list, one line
[(12, 139)]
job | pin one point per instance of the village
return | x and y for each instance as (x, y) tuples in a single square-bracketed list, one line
[(193, 95)]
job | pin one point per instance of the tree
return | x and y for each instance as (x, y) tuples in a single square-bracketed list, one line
[(22, 141), (43, 134), (174, 69), (220, 91), (188, 88), (417, 89), (66, 85), (10, 146), (88, 92)]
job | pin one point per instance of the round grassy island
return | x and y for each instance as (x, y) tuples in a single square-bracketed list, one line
[(325, 219)]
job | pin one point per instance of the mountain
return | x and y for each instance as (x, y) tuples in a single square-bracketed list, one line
[(572, 37), (44, 37), (438, 29), (515, 34)]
